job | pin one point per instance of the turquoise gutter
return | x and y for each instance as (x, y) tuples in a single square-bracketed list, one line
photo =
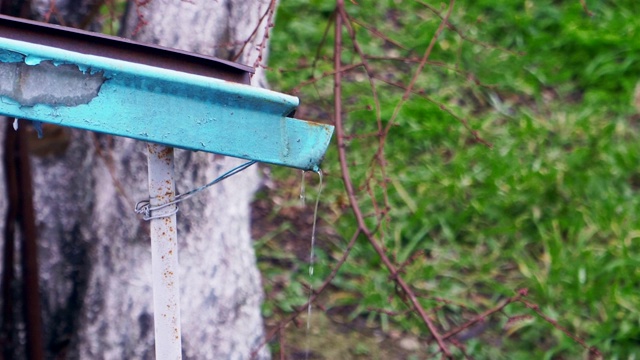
[(163, 106)]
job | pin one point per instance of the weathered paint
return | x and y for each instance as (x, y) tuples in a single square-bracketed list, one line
[(46, 83), (143, 102), (164, 254)]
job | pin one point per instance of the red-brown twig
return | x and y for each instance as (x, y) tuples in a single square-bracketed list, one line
[(351, 193), (53, 11), (423, 62), (325, 74), (378, 157), (380, 34), (268, 14), (444, 108), (465, 37), (585, 7), (480, 318), (536, 309), (325, 35), (142, 22)]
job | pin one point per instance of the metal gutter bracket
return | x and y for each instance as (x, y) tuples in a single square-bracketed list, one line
[(121, 88)]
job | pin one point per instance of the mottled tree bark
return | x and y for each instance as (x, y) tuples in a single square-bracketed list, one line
[(95, 253)]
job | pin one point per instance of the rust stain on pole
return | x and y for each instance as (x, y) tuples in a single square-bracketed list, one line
[(164, 254)]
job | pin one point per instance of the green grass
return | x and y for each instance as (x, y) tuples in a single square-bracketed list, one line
[(552, 207)]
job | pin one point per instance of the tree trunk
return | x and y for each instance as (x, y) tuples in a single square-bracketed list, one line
[(95, 252)]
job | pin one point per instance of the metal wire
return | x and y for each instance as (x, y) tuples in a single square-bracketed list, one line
[(144, 206)]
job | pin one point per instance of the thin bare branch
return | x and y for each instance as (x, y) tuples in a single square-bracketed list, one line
[(269, 12), (465, 37), (536, 309), (423, 62), (444, 108), (585, 7), (325, 35), (482, 317), (350, 190), (378, 157), (325, 74), (380, 34)]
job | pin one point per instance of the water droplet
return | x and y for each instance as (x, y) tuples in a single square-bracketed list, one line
[(312, 257)]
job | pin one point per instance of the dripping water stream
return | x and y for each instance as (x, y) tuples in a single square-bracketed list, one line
[(311, 254), (313, 228)]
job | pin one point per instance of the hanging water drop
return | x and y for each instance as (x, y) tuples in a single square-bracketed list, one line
[(15, 124), (312, 258)]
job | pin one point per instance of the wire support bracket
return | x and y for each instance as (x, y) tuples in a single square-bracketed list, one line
[(144, 206)]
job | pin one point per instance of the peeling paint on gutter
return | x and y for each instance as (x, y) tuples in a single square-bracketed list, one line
[(42, 82)]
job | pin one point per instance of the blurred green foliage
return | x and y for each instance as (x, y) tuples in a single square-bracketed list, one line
[(552, 207)]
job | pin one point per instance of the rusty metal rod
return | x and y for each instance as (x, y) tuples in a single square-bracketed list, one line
[(29, 251), (21, 212), (164, 254), (7, 332)]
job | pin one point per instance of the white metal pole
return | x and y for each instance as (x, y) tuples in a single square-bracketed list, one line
[(164, 254)]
